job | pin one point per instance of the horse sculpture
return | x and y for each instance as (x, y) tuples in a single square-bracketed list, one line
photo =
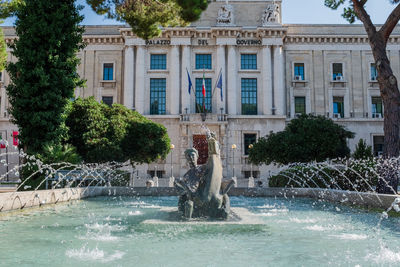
[(203, 193)]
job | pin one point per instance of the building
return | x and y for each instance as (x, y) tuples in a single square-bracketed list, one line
[(270, 73)]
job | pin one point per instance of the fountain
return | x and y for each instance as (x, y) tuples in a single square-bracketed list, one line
[(310, 221)]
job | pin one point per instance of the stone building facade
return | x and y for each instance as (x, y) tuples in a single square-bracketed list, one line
[(270, 73)]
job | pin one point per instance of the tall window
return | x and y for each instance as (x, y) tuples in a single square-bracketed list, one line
[(378, 145), (337, 71), (248, 140), (157, 96), (248, 61), (377, 111), (374, 72), (108, 100), (249, 96), (338, 107), (158, 61), (299, 71), (108, 71), (199, 95), (300, 105), (203, 61)]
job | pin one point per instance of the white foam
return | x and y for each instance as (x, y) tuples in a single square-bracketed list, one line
[(385, 255), (350, 236), (99, 237), (105, 227), (296, 220), (134, 213), (267, 214), (321, 228), (86, 254)]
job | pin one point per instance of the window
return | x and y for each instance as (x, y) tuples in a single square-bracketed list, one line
[(337, 71), (203, 61), (376, 107), (248, 140), (299, 71), (378, 145), (153, 173), (248, 62), (300, 105), (338, 107), (199, 95), (157, 96), (248, 174), (249, 96), (374, 72), (158, 62), (108, 100), (108, 71)]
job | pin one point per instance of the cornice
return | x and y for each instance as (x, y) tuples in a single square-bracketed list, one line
[(334, 39), (103, 39)]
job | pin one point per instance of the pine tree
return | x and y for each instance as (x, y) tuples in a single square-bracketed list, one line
[(44, 76), (146, 16)]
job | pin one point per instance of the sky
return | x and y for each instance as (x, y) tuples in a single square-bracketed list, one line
[(293, 12)]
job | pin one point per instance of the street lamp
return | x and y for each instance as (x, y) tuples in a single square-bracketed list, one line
[(171, 147), (233, 158), (251, 164)]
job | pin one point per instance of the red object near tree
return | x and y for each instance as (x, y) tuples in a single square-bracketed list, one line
[(15, 138)]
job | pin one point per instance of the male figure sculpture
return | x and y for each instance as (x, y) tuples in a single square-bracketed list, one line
[(202, 191), (189, 184)]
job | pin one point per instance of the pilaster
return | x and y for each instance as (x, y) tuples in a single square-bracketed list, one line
[(129, 77), (173, 81), (279, 81), (231, 92), (139, 81)]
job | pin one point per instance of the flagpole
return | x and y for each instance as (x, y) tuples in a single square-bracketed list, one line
[(216, 82), (204, 91)]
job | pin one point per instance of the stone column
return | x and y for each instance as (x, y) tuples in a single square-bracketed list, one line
[(217, 103), (173, 88), (140, 82), (231, 92), (186, 65), (129, 77), (279, 81), (266, 74)]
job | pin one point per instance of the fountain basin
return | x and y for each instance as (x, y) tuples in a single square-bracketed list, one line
[(115, 231), (18, 200)]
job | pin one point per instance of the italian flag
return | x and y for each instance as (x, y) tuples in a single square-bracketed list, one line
[(204, 92), (204, 85)]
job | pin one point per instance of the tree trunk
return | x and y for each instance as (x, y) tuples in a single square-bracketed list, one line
[(391, 101)]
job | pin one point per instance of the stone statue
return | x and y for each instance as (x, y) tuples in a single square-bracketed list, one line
[(202, 192), (225, 15), (271, 14)]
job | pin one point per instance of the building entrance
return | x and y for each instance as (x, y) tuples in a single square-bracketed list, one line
[(200, 143)]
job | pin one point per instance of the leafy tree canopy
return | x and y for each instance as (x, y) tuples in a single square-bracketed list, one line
[(102, 133), (44, 76), (304, 139), (348, 7), (146, 16)]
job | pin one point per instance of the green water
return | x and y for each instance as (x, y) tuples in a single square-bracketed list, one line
[(109, 231)]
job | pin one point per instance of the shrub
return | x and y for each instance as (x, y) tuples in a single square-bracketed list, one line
[(305, 139), (102, 133), (363, 151)]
